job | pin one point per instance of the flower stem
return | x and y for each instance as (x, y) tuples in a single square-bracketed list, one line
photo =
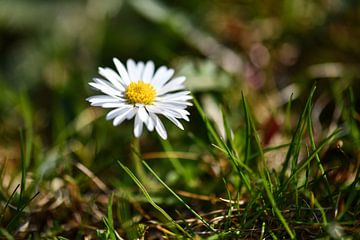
[(136, 158)]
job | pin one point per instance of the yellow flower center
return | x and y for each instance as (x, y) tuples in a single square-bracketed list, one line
[(140, 92)]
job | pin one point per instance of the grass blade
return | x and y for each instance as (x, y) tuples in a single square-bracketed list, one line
[(151, 201), (278, 212), (294, 147), (318, 161), (179, 198), (304, 163)]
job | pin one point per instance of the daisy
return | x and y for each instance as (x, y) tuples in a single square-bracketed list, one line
[(139, 91)]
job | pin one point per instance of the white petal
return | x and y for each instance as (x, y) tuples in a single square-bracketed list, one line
[(119, 119), (132, 70), (106, 89), (132, 113), (175, 121), (162, 77), (118, 111), (102, 99), (161, 70), (170, 113), (111, 105), (143, 115), (113, 77), (108, 85), (138, 126), (180, 99), (148, 72), (122, 71), (160, 129), (174, 104), (139, 71), (150, 124), (173, 85), (163, 110), (176, 95)]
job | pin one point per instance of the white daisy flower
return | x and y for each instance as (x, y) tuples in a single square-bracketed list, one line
[(141, 92)]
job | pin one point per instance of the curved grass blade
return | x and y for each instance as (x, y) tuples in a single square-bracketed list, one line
[(179, 198), (318, 161), (294, 147), (151, 201), (304, 163)]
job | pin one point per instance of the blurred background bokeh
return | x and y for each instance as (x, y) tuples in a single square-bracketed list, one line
[(271, 51)]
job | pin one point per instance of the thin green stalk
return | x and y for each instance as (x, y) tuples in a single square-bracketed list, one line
[(221, 145), (317, 158), (247, 130), (228, 132), (23, 171), (304, 163), (151, 201), (179, 198), (278, 212), (136, 158), (294, 147)]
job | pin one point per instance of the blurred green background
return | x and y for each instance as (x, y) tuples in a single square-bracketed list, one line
[(51, 49), (269, 50)]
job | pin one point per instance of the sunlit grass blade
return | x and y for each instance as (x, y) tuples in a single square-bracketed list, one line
[(229, 133), (294, 148), (277, 211), (247, 130), (320, 147), (179, 198), (221, 145), (252, 133), (252, 136), (170, 221), (211, 130), (318, 161)]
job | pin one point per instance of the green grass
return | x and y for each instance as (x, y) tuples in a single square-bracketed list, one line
[(279, 205)]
